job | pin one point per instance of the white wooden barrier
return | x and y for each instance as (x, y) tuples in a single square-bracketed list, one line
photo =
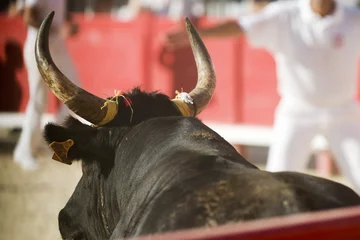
[(255, 135), (237, 134)]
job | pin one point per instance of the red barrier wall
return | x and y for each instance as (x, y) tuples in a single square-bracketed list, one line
[(110, 55), (338, 224), (13, 83)]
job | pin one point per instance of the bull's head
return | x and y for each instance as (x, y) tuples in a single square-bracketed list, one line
[(106, 112), (99, 145)]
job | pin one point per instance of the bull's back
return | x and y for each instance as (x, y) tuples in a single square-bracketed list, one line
[(200, 180), (319, 193), (221, 197)]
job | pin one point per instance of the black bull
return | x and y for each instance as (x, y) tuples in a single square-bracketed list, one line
[(151, 167), (173, 173)]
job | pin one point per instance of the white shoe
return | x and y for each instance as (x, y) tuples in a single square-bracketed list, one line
[(26, 161)]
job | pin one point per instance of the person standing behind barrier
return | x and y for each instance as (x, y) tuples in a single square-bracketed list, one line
[(316, 47), (34, 12), (190, 8), (172, 8)]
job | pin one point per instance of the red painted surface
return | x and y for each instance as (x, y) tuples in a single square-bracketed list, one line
[(13, 83), (343, 224), (259, 84), (111, 55)]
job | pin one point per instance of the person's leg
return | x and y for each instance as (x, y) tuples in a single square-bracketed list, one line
[(291, 145), (34, 111), (344, 141)]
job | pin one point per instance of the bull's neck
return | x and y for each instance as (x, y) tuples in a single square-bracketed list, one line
[(107, 204), (135, 194), (103, 215)]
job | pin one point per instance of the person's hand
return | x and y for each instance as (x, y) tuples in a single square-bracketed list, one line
[(176, 39), (12, 10)]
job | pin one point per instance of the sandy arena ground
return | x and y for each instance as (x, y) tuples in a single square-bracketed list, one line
[(31, 201)]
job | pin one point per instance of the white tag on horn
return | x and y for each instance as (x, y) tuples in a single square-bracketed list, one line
[(185, 97)]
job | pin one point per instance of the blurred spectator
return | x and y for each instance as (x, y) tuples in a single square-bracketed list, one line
[(175, 9), (316, 47), (8, 6), (12, 62), (5, 5), (258, 5), (103, 5), (190, 8), (34, 11)]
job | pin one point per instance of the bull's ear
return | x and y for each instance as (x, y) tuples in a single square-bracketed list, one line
[(73, 142), (78, 141), (60, 141), (54, 133)]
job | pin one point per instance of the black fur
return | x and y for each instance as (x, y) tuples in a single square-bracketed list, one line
[(163, 172), (145, 106)]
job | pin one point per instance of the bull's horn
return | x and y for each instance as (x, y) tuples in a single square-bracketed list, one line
[(81, 102), (205, 87)]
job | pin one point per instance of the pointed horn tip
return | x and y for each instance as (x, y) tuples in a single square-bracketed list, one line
[(50, 16), (43, 32), (46, 23), (48, 19), (189, 26)]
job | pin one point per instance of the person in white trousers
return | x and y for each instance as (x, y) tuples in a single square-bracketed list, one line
[(316, 47), (34, 11)]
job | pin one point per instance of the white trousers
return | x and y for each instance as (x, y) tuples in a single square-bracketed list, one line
[(293, 133), (31, 134)]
